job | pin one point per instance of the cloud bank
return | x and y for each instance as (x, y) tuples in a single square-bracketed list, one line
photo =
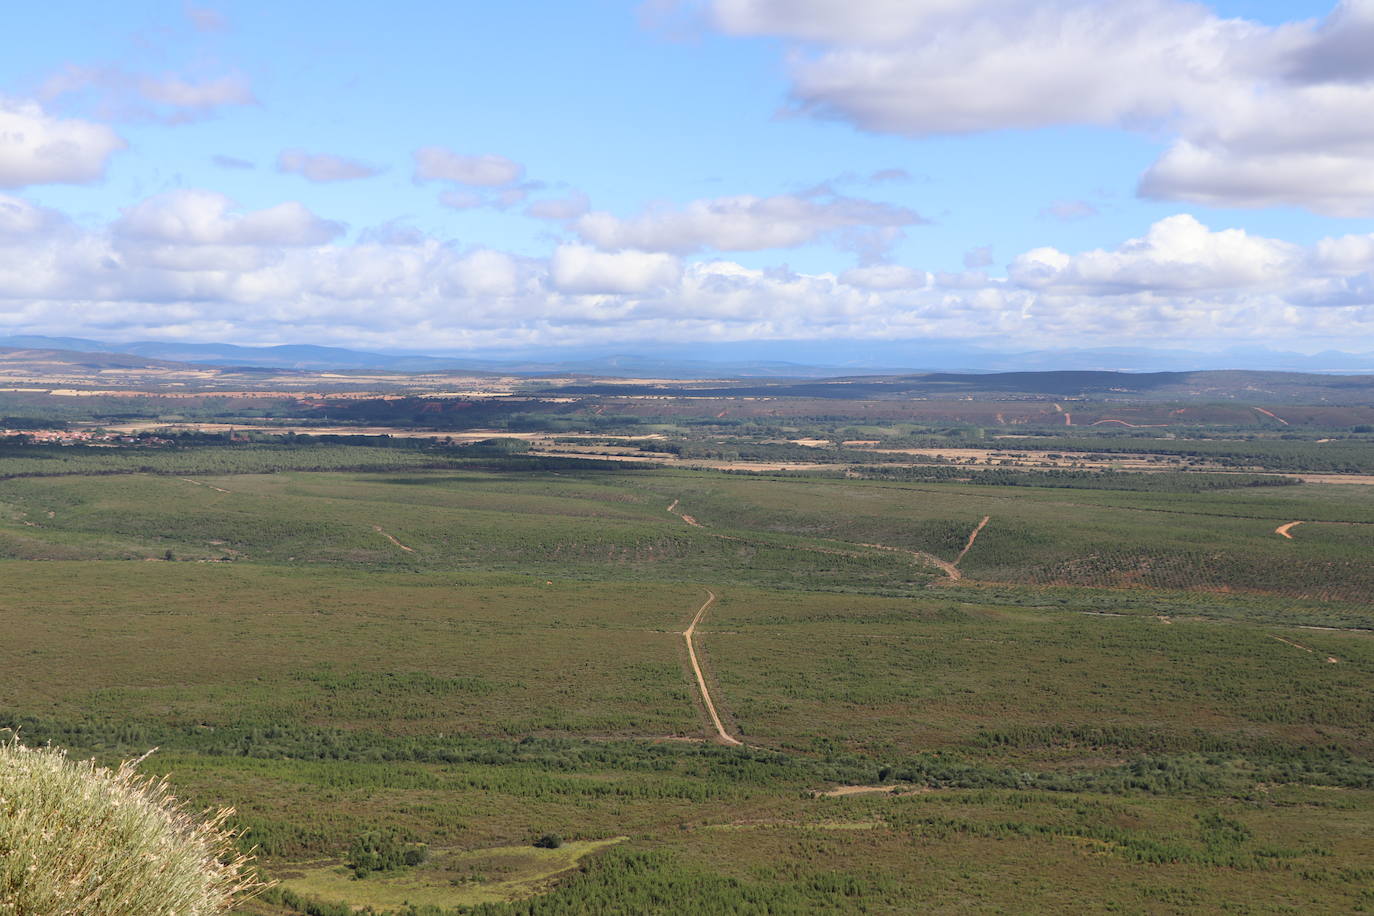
[(191, 264)]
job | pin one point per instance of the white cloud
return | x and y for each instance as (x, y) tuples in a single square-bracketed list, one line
[(462, 200), (175, 92), (1346, 253), (20, 219), (1340, 50), (581, 269), (1260, 115), (572, 206), (487, 273), (116, 94), (1025, 65), (435, 163), (37, 148), (1309, 146), (885, 276), (827, 20), (194, 217), (742, 223), (1177, 254), (323, 166)]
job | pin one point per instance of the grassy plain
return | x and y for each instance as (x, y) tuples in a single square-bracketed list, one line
[(1140, 701)]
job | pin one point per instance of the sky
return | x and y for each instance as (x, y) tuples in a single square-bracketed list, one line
[(464, 177)]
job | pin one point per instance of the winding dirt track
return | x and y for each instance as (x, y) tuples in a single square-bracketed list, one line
[(723, 736), (951, 570), (378, 529), (1282, 530), (946, 567)]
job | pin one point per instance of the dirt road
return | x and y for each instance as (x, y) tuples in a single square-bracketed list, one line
[(686, 518), (1290, 642), (971, 538), (201, 483), (1282, 530), (723, 736), (1272, 415), (378, 529), (946, 567)]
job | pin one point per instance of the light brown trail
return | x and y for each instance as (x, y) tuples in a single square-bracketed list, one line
[(201, 483), (946, 567), (687, 634), (686, 518), (973, 536), (378, 529), (1282, 530), (1295, 645), (1272, 416)]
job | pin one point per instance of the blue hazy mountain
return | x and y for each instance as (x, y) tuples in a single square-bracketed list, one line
[(762, 359)]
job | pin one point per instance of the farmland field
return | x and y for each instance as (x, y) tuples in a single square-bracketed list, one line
[(1142, 700)]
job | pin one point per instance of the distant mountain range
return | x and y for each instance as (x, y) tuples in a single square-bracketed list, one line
[(1214, 386), (766, 359)]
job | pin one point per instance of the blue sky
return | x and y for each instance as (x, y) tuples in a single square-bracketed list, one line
[(1008, 174)]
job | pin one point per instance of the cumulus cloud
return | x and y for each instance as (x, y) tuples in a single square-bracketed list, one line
[(1340, 49), (1310, 146), (1261, 115), (581, 269), (38, 148), (1177, 254), (435, 163), (323, 166), (191, 264), (743, 223), (195, 217)]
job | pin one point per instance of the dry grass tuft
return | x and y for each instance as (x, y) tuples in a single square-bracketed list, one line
[(77, 838)]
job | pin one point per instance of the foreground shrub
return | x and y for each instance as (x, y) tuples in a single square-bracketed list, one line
[(77, 838)]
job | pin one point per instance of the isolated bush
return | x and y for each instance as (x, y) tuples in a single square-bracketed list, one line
[(77, 838), (383, 851), (549, 841)]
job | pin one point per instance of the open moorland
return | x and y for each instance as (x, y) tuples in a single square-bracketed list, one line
[(486, 669)]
